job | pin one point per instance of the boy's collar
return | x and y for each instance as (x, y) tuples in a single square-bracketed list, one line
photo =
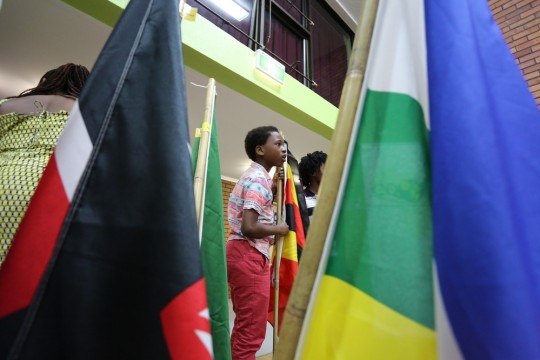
[(256, 165)]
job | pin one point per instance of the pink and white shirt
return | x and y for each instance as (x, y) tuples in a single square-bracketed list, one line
[(253, 191)]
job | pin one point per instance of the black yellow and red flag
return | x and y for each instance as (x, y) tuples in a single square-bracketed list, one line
[(297, 218)]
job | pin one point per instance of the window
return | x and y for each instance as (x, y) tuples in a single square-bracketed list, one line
[(286, 38), (331, 47), (216, 12), (306, 36)]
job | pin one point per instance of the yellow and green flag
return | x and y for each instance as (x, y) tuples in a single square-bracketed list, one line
[(374, 297)]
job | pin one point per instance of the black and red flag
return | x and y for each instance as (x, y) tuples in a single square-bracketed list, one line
[(296, 216), (106, 262)]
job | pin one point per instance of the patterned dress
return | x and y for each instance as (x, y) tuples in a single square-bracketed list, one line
[(26, 144)]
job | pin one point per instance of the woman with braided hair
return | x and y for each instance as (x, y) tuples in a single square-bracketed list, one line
[(311, 170), (30, 125)]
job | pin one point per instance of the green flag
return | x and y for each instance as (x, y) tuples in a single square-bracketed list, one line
[(375, 296), (213, 247)]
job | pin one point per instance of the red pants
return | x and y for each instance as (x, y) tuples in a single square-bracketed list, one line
[(248, 274)]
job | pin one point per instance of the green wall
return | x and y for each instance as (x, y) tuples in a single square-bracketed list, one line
[(214, 53)]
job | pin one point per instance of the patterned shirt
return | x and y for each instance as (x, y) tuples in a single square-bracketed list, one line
[(253, 191)]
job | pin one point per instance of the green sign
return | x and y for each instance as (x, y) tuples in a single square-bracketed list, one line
[(269, 66)]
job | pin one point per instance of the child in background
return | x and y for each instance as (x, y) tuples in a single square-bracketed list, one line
[(311, 170), (252, 230)]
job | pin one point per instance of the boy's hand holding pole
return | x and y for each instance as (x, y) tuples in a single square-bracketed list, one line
[(281, 227), (282, 230)]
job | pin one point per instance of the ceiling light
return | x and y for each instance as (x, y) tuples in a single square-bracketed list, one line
[(231, 8)]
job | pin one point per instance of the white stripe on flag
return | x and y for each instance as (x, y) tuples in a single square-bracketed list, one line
[(447, 347), (72, 151), (398, 60)]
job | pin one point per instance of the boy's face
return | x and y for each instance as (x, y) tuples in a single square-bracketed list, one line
[(273, 151)]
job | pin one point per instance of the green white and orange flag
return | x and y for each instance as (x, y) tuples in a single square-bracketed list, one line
[(373, 298), (213, 243)]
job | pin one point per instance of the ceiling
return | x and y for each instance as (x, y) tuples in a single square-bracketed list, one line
[(347, 10), (38, 35)]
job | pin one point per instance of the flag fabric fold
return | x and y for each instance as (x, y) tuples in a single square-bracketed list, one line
[(213, 246), (486, 171), (106, 263), (293, 243)]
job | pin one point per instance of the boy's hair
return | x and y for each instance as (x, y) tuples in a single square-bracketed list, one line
[(256, 137), (309, 165), (67, 80)]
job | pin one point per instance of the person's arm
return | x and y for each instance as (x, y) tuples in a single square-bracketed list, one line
[(253, 229)]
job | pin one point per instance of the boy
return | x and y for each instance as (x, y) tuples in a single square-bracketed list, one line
[(311, 170), (251, 222)]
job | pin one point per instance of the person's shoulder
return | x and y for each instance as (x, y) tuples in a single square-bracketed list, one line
[(245, 179), (7, 105), (246, 174), (2, 101), (253, 171), (36, 104)]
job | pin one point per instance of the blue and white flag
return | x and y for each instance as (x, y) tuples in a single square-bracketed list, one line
[(485, 152)]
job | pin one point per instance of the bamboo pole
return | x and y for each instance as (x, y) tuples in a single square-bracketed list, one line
[(301, 292), (277, 263), (199, 179)]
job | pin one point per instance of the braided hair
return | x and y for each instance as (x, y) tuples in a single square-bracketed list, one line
[(309, 165), (66, 80)]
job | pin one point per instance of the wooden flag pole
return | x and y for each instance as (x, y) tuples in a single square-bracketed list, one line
[(305, 278), (277, 262), (199, 179)]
